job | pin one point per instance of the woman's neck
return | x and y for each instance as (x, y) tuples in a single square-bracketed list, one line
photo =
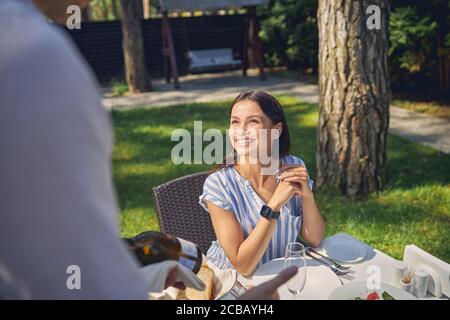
[(254, 171)]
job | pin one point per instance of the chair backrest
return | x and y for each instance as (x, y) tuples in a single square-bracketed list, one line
[(211, 57), (179, 213)]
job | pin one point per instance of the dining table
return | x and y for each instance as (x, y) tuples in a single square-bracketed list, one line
[(321, 280)]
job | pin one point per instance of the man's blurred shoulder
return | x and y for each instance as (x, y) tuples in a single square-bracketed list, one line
[(29, 43), (44, 77)]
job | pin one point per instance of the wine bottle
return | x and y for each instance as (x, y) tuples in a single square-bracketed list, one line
[(151, 247)]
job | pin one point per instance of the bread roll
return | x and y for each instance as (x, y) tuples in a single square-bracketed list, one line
[(207, 276)]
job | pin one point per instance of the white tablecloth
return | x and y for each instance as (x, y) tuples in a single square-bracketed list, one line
[(319, 283)]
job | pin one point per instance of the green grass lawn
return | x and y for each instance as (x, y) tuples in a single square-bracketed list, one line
[(414, 208)]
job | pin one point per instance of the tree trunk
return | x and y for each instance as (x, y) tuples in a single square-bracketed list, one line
[(136, 73), (354, 97)]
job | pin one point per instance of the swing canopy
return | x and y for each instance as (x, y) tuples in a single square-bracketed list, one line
[(189, 5)]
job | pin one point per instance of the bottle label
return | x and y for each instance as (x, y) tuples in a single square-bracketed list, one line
[(189, 250)]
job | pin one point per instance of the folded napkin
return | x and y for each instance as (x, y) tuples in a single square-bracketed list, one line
[(439, 270), (156, 275)]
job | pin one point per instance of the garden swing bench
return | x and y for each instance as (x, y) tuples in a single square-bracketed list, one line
[(217, 58)]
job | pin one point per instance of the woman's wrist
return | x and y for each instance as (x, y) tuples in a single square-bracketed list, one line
[(307, 196), (274, 205)]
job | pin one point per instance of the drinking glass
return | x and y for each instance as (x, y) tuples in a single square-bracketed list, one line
[(295, 256)]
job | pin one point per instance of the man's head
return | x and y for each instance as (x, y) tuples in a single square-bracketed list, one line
[(57, 9)]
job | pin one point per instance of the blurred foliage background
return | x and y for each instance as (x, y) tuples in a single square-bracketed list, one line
[(419, 33)]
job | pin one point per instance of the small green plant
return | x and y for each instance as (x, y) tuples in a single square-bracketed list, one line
[(118, 87)]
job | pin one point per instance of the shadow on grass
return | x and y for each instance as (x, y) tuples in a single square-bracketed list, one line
[(393, 219), (410, 164)]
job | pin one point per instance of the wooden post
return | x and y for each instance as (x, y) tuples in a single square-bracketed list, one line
[(257, 46), (443, 66), (246, 44), (140, 9), (136, 72), (165, 53), (115, 10), (169, 51), (85, 14), (252, 46)]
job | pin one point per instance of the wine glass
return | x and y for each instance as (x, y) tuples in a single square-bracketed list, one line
[(295, 256)]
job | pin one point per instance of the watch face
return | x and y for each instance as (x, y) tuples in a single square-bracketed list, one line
[(274, 215), (268, 213)]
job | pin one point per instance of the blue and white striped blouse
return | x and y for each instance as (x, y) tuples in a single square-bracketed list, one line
[(227, 189)]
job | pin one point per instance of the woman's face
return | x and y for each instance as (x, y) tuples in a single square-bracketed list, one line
[(248, 123)]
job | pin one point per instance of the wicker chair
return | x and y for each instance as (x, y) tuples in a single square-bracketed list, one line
[(179, 213)]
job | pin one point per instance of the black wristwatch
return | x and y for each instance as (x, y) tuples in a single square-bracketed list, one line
[(268, 213)]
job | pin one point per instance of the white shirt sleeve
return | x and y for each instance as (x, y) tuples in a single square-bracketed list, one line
[(57, 201)]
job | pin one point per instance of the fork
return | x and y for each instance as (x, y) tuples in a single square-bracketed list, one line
[(335, 270), (336, 265)]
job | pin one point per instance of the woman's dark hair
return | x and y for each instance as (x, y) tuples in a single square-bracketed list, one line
[(272, 109)]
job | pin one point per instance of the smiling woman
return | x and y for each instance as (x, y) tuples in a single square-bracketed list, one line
[(414, 208), (254, 214)]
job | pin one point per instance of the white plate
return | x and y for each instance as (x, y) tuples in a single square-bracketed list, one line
[(352, 290), (344, 250), (320, 281)]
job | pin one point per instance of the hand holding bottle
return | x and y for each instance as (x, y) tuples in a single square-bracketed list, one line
[(152, 247), (161, 275), (171, 280)]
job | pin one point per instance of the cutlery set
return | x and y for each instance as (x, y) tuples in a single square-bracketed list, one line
[(337, 268)]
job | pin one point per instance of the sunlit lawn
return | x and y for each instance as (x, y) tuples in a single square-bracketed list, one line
[(431, 108), (414, 208)]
